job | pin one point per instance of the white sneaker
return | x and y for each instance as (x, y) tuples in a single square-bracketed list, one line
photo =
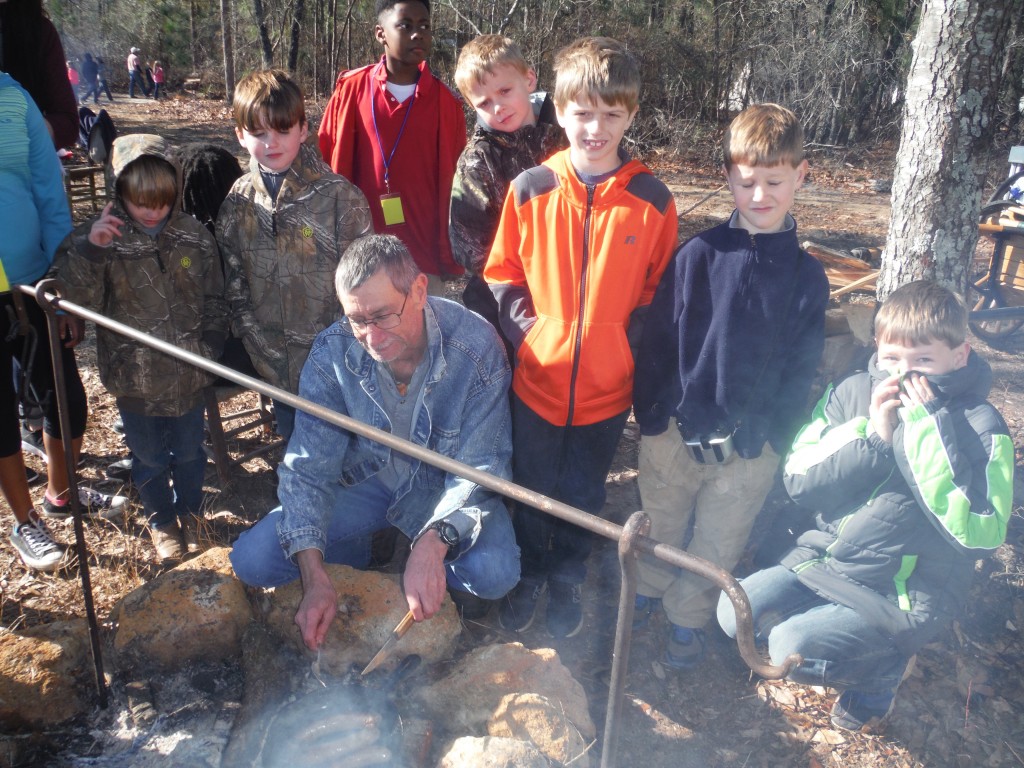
[(36, 546)]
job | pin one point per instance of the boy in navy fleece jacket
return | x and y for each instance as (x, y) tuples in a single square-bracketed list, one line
[(730, 347)]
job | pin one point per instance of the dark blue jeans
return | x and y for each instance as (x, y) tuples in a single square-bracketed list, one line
[(569, 464), (488, 569), (840, 649), (168, 464)]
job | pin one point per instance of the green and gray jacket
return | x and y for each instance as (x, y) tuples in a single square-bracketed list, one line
[(900, 526), (280, 259), (169, 286)]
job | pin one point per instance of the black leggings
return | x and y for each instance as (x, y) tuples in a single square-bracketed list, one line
[(40, 385)]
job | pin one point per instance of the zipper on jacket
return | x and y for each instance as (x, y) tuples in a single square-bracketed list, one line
[(582, 296)]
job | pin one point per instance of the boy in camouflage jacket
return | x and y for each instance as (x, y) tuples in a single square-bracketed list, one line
[(146, 264), (281, 231), (515, 130)]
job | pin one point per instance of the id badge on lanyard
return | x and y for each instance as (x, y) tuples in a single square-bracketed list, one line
[(390, 202)]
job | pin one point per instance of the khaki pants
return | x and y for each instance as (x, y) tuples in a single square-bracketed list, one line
[(721, 500)]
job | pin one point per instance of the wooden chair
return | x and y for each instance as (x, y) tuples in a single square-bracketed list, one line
[(222, 427)]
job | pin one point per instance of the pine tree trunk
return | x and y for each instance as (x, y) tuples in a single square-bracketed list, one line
[(936, 194), (229, 53)]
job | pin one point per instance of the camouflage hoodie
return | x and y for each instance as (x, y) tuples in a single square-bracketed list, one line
[(169, 286), (485, 170), (280, 259)]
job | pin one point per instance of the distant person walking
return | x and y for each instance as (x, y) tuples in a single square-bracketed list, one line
[(73, 78), (135, 73), (101, 77), (90, 85), (158, 79)]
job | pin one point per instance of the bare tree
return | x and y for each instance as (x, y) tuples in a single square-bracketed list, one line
[(946, 127), (229, 54)]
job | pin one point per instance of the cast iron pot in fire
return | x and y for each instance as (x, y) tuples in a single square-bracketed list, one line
[(354, 724)]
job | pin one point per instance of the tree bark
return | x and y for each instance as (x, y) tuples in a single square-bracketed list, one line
[(266, 47), (298, 16), (229, 53), (936, 194)]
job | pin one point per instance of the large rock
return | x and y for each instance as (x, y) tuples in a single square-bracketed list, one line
[(474, 694), (198, 610), (43, 673), (370, 605), (533, 718), (492, 752)]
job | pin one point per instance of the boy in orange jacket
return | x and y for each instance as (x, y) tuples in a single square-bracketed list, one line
[(581, 245)]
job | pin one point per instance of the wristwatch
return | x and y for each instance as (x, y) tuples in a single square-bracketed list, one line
[(448, 533)]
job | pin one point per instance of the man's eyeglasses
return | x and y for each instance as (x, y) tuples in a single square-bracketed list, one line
[(384, 322)]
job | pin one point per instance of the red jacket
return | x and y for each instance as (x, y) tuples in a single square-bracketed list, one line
[(423, 164), (568, 273)]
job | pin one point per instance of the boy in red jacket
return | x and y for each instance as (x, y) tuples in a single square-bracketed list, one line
[(582, 242), (396, 132)]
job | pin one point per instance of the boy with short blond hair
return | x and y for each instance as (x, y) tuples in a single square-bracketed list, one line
[(516, 129), (582, 242), (729, 352), (910, 473), (281, 230), (145, 263)]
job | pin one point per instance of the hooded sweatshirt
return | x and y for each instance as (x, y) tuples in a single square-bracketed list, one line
[(570, 265), (167, 284)]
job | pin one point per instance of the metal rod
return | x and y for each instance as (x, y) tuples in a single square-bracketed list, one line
[(64, 416), (635, 539), (638, 524)]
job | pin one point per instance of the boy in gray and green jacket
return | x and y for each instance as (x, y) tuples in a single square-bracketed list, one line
[(910, 472)]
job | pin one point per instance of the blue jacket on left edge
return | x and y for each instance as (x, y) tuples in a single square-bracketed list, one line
[(900, 525), (34, 214), (464, 415)]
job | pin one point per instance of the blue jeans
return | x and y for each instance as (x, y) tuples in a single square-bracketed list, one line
[(132, 79), (840, 649), (284, 418), (167, 450), (569, 464), (488, 569)]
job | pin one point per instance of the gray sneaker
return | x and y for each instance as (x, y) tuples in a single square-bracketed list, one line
[(36, 546), (93, 503)]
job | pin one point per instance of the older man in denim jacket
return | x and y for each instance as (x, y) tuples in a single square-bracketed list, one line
[(428, 370)]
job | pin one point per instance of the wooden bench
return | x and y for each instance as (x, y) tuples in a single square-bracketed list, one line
[(85, 184)]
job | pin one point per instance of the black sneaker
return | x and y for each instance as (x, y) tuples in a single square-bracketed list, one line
[(519, 606), (565, 609), (32, 442), (31, 476), (120, 471), (855, 709), (36, 546), (469, 605), (93, 502)]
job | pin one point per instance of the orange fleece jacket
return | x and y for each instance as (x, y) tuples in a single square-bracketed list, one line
[(569, 267)]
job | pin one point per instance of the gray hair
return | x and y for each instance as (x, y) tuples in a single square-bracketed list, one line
[(365, 257)]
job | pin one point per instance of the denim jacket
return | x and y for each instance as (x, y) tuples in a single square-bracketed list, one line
[(464, 414)]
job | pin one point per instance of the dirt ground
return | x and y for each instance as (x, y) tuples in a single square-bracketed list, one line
[(962, 705)]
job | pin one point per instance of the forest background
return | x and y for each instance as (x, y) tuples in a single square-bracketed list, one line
[(842, 65)]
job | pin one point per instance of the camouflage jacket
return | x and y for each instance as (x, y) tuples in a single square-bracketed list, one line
[(169, 286), (486, 167), (280, 260)]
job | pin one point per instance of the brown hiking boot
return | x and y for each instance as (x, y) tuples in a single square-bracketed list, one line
[(168, 542), (190, 532)]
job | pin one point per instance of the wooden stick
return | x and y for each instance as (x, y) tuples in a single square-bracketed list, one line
[(860, 281)]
